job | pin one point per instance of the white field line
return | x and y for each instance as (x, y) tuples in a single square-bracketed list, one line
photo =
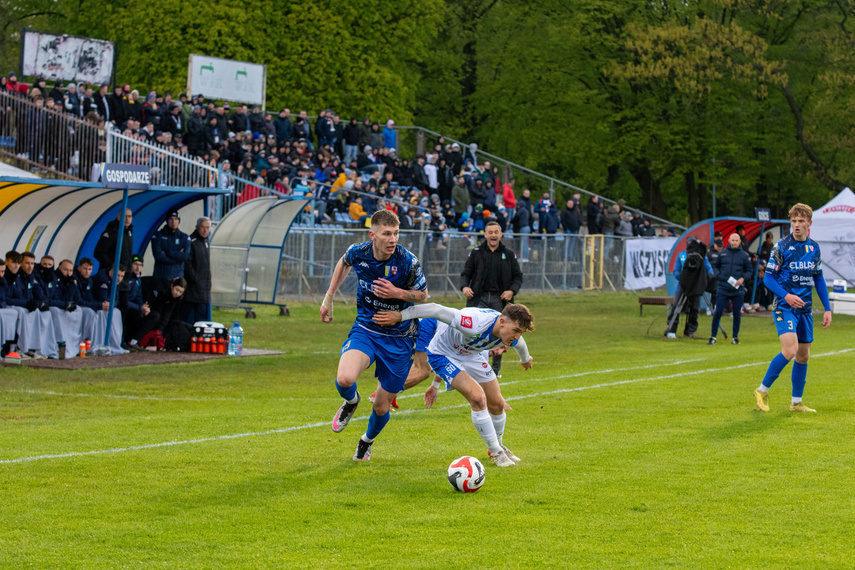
[(404, 412), (151, 398), (215, 399)]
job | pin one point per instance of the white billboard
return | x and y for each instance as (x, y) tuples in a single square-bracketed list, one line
[(68, 58), (647, 262), (226, 80)]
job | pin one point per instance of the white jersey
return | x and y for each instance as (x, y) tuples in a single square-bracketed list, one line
[(463, 333), (469, 333)]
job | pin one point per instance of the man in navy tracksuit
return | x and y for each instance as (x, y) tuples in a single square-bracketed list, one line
[(171, 248), (732, 268)]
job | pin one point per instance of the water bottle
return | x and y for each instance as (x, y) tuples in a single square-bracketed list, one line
[(235, 339)]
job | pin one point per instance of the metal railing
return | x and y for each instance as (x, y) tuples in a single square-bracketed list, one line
[(551, 263), (171, 166), (415, 142), (47, 142)]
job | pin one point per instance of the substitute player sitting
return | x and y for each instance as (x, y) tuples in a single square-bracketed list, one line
[(794, 269), (456, 354), (390, 279)]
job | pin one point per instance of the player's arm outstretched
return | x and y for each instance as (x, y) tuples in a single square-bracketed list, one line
[(384, 289), (340, 273), (426, 311)]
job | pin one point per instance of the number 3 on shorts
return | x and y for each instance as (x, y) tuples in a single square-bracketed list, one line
[(790, 325)]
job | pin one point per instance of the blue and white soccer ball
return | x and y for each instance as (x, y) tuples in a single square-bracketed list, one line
[(466, 474)]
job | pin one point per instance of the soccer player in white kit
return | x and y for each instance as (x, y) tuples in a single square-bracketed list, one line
[(456, 354)]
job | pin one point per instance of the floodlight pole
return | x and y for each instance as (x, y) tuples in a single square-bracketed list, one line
[(116, 261)]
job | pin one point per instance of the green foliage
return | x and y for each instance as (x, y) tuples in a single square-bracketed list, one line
[(652, 103)]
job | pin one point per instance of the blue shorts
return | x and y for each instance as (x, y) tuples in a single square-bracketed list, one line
[(392, 354), (427, 328), (799, 323)]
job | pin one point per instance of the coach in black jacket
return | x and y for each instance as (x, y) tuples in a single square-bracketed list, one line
[(105, 249), (197, 272), (733, 269), (491, 276)]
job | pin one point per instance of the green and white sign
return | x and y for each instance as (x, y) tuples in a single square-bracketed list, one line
[(227, 80)]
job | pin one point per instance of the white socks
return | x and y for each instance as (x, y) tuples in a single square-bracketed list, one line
[(762, 388), (484, 425), (499, 425)]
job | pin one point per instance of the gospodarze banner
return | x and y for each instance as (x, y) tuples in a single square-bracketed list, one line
[(68, 58), (226, 80), (647, 262)]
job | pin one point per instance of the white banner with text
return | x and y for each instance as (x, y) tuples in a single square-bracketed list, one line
[(647, 262)]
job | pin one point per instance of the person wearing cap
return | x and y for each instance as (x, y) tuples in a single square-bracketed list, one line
[(624, 227), (171, 248), (105, 249)]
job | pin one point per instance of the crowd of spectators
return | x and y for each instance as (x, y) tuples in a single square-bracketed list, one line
[(54, 302), (349, 168)]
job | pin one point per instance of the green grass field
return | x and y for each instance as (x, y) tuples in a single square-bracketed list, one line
[(636, 451)]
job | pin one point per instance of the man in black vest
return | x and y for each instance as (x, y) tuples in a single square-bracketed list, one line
[(491, 276)]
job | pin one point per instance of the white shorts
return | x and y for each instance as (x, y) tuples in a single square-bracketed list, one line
[(447, 367)]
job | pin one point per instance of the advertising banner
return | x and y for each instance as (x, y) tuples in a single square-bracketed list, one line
[(647, 262), (226, 80), (68, 58)]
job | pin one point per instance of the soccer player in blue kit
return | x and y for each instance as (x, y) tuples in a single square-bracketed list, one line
[(794, 269), (390, 279)]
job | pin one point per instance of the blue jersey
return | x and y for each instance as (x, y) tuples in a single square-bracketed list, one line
[(794, 265), (402, 269)]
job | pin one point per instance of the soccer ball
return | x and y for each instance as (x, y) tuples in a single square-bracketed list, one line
[(466, 474)]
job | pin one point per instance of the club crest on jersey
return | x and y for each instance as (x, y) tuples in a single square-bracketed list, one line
[(391, 271), (466, 322), (808, 248), (485, 365)]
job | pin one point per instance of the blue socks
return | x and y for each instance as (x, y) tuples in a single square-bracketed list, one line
[(349, 393), (376, 424), (799, 379), (775, 367)]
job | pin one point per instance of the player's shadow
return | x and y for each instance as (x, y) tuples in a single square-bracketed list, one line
[(757, 422)]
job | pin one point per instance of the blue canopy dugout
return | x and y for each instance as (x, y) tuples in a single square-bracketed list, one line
[(65, 219)]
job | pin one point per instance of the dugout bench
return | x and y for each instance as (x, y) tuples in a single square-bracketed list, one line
[(658, 301)]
